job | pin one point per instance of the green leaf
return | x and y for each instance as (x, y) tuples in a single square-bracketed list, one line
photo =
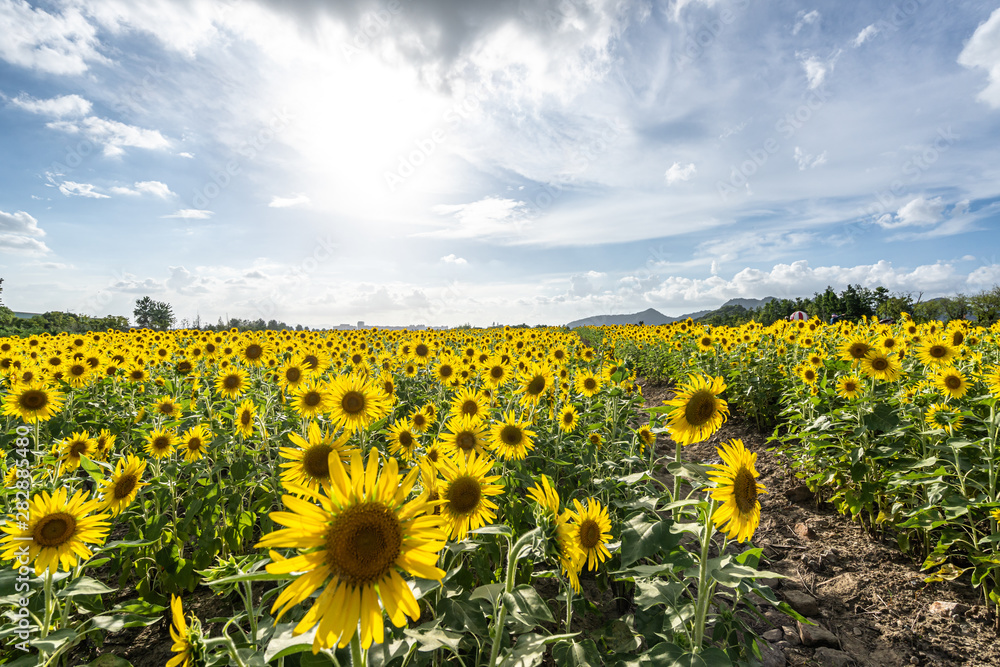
[(55, 640), (283, 643), (530, 649), (84, 586), (432, 638), (248, 576), (525, 605), (487, 592), (577, 654), (655, 591), (642, 538)]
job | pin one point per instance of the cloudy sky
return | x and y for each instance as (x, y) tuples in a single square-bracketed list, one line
[(449, 161)]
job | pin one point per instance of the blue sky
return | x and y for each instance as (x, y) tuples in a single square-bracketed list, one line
[(443, 162)]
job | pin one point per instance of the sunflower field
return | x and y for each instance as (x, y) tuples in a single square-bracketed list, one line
[(476, 497)]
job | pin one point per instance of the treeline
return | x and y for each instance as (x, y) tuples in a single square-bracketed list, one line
[(855, 302), (148, 313)]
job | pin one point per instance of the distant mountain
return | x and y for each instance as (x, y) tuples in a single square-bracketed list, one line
[(653, 317), (649, 316)]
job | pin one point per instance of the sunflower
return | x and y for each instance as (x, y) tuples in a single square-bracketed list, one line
[(510, 438), (402, 440), (557, 524), (469, 403), (123, 486), (952, 382), (935, 352), (105, 442), (849, 386), (74, 447), (161, 442), (698, 411), (646, 436), (34, 402), (992, 380), (187, 640), (881, 366), (808, 373), (57, 531), (737, 488), (355, 402), (243, 419), (293, 373), (591, 531), (194, 442), (168, 407), (77, 374), (311, 400), (568, 419), (588, 384), (595, 439), (466, 435), (232, 383), (535, 382), (358, 536), (465, 492), (309, 463), (255, 351), (494, 372), (944, 417), (855, 349)]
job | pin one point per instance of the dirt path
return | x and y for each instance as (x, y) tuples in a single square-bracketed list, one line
[(869, 598)]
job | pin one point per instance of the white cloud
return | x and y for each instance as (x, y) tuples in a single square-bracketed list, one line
[(112, 134), (867, 33), (804, 20), (816, 70), (453, 259), (919, 212), (73, 189), (189, 156), (286, 202), (488, 217), (678, 173), (17, 232), (191, 214), (800, 279), (61, 43), (20, 223), (983, 51), (155, 188), (64, 105), (807, 160)]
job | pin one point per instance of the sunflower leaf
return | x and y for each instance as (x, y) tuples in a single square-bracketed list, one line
[(85, 586)]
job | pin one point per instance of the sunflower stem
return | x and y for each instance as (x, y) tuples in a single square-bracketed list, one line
[(705, 588), (569, 606), (512, 557), (677, 478), (357, 658)]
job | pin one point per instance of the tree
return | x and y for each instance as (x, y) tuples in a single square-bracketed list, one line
[(152, 314), (985, 306)]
